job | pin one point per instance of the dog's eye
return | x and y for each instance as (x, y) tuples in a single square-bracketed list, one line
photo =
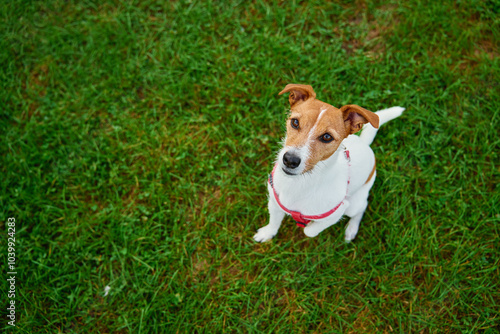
[(295, 123), (326, 138)]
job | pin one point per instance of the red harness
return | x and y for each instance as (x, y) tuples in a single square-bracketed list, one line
[(300, 219)]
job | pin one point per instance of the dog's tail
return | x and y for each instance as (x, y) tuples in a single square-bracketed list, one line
[(369, 132)]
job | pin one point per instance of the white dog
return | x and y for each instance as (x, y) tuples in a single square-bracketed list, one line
[(323, 171)]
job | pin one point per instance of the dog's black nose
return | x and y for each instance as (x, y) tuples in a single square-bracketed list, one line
[(290, 160)]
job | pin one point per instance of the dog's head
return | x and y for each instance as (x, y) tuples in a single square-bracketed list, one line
[(315, 129)]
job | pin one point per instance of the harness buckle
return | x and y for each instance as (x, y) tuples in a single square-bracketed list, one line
[(299, 219), (347, 156)]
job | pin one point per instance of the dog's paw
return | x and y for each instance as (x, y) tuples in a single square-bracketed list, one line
[(265, 233), (311, 230), (350, 233)]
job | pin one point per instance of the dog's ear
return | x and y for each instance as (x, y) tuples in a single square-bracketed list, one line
[(298, 93), (355, 116)]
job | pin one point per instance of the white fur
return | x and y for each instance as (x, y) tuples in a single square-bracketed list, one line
[(325, 186)]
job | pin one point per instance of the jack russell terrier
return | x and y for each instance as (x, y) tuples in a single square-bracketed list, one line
[(323, 171)]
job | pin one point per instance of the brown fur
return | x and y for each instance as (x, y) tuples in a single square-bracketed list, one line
[(371, 173)]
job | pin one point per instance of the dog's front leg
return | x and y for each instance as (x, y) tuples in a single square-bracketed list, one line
[(276, 215), (314, 228)]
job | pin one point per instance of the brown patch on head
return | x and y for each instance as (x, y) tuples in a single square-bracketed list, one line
[(315, 129), (315, 119), (325, 123), (307, 115)]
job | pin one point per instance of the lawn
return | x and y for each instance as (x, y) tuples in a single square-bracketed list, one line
[(137, 138)]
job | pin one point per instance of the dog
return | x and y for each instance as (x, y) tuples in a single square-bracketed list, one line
[(323, 171)]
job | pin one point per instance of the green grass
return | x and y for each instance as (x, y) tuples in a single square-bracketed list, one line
[(137, 138)]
